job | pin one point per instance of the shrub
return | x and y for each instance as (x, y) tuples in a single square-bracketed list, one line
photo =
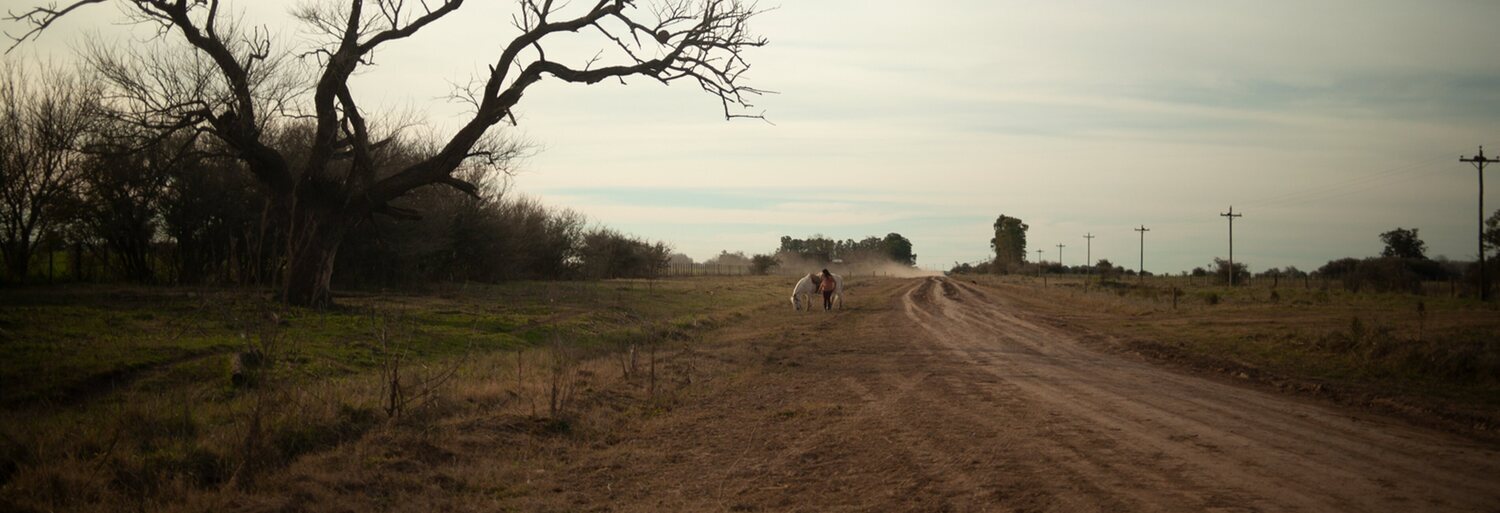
[(1384, 274), (762, 264)]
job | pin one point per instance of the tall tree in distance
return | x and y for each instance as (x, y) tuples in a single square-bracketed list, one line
[(1009, 243), (899, 248), (237, 86), (1403, 243)]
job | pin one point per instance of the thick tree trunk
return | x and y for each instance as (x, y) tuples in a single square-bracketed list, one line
[(313, 243), (18, 258)]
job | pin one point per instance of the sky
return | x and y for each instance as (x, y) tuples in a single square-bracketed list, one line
[(1325, 123)]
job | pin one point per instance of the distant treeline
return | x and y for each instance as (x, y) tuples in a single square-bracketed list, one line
[(892, 248), (1402, 266), (795, 256)]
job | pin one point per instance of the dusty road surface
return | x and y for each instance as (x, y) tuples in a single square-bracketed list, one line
[(937, 395)]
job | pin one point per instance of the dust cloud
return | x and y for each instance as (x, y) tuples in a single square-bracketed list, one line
[(795, 265)]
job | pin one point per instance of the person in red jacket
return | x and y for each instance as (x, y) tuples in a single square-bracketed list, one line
[(827, 287)]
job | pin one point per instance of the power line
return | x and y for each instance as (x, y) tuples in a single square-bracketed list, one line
[(1342, 184), (1342, 187)]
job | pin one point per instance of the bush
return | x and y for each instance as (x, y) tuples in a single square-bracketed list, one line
[(607, 254), (1221, 271), (1384, 274), (762, 264), (462, 238)]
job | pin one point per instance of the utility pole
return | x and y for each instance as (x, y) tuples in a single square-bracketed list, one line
[(1479, 162), (1231, 215), (1059, 255), (1038, 262), (1140, 273), (1088, 259)]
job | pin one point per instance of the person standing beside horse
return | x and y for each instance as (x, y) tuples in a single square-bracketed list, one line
[(828, 286)]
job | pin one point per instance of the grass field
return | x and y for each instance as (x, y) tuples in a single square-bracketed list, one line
[(116, 398), (1430, 354)]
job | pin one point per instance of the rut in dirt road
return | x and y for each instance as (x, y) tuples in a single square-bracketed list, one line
[(1106, 433)]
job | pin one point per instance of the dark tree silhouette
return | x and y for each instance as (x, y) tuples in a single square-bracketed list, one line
[(1222, 270), (332, 182), (1009, 242), (44, 118), (899, 249), (1403, 243)]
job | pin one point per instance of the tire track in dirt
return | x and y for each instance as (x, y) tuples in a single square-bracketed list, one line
[(1081, 480), (1221, 447)]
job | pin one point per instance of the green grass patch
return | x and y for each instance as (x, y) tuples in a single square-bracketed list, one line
[(66, 344)]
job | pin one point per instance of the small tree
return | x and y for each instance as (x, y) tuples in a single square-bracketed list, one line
[(762, 264), (1222, 267), (1403, 243), (122, 207), (1106, 269), (898, 248)]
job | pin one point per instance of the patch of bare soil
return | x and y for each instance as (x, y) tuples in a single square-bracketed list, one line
[(933, 397)]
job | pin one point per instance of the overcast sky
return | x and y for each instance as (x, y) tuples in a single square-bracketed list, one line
[(1325, 123)]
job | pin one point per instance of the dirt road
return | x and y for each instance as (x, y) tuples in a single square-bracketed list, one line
[(936, 395)]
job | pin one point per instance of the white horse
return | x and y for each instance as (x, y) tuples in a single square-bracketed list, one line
[(808, 286)]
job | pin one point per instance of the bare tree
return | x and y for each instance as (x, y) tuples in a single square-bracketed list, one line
[(337, 183), (43, 119)]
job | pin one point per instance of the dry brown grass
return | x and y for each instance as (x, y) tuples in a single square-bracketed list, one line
[(296, 439), (276, 451)]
